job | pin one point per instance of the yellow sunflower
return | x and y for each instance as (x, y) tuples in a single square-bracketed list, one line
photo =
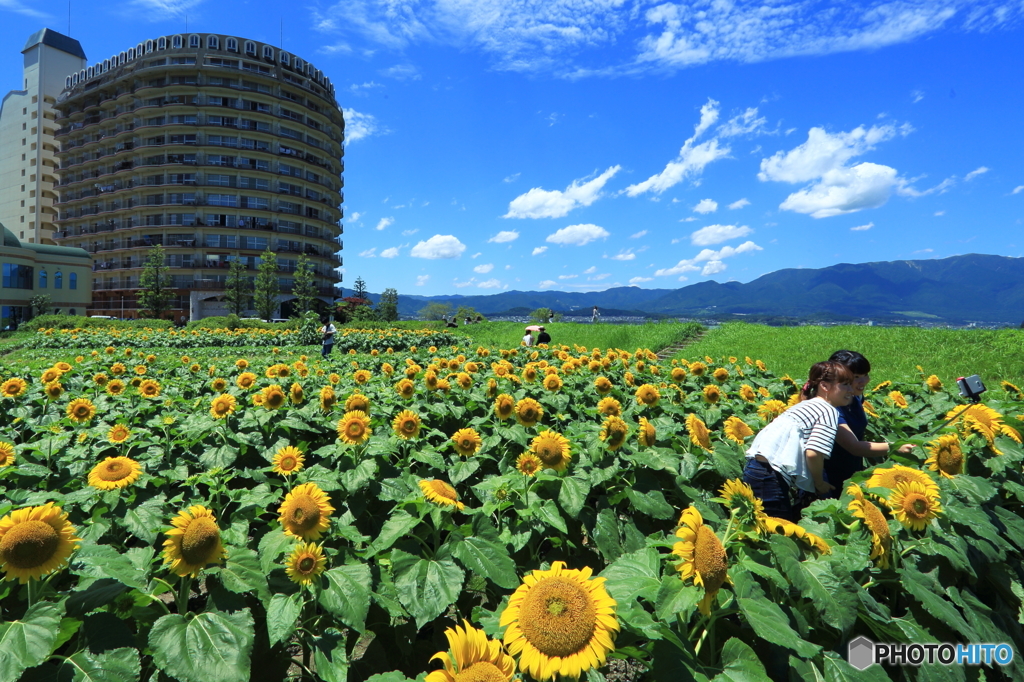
[(528, 464), (552, 449), (614, 432), (984, 420), (357, 401), (467, 441), (553, 382), (560, 622), (794, 530), (50, 375), (698, 430), (361, 376), (245, 380), (115, 387), (222, 406), (609, 407), (914, 505), (273, 396), (305, 563), (504, 406), (647, 395), (13, 388), (149, 388), (712, 394), (406, 425), (471, 656), (54, 391), (737, 430), (296, 394), (405, 388), (241, 363), (770, 409), (703, 556), (194, 542), (141, 369), (739, 496), (6, 454), (646, 434), (747, 393), (65, 367), (874, 520), (881, 386), (354, 427), (464, 380), (288, 460), (118, 434), (697, 369), (893, 476), (934, 383), (327, 399), (115, 472), (305, 512), (35, 541), (678, 374), (720, 374), (219, 384), (897, 399), (529, 412), (81, 410), (439, 492), (946, 456)]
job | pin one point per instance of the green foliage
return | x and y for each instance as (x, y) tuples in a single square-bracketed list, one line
[(304, 288), (387, 306), (237, 288), (436, 311), (465, 311), (359, 288), (267, 286), (154, 292), (41, 305), (542, 315), (79, 321)]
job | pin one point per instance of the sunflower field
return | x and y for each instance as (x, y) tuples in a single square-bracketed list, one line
[(414, 511)]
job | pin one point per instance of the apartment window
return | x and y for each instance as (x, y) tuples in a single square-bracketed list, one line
[(268, 52), (227, 82), (193, 41), (188, 219), (232, 45), (183, 80), (220, 160), (220, 180), (288, 207), (298, 65), (286, 188), (288, 132), (183, 139), (183, 60), (254, 183), (176, 42), (17, 276), (187, 119), (254, 243), (42, 279), (220, 220), (258, 164), (73, 277), (255, 202), (250, 48), (222, 200), (149, 46), (258, 145), (221, 141), (285, 58), (212, 43), (155, 121), (285, 169), (162, 44), (58, 280)]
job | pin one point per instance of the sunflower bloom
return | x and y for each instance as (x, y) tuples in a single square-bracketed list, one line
[(81, 410), (273, 397), (471, 656), (898, 400), (305, 512), (149, 388), (6, 454), (697, 369), (405, 388), (354, 427), (560, 622), (504, 406), (115, 472), (440, 493), (874, 520), (737, 430), (678, 374), (712, 394), (194, 542), (222, 405), (739, 497), (288, 460), (406, 425), (703, 556), (13, 388), (698, 430), (35, 541), (646, 433), (747, 393), (305, 563), (933, 383), (552, 449), (327, 399), (647, 395), (528, 464), (914, 505), (603, 385), (50, 375), (794, 530), (893, 476), (529, 412), (947, 459), (553, 382), (609, 407), (219, 384), (770, 409), (361, 376), (245, 380), (614, 432), (721, 374), (467, 442)]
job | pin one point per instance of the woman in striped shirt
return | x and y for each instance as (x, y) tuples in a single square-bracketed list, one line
[(785, 463)]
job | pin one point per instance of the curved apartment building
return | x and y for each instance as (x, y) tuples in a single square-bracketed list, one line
[(214, 146)]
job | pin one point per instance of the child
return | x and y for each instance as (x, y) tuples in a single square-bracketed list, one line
[(328, 331), (785, 463)]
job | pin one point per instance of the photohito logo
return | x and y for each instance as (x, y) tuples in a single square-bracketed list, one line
[(862, 653)]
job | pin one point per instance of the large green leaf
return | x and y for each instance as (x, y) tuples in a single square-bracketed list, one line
[(573, 494), (633, 575), (838, 670), (330, 656), (771, 624), (651, 503), (103, 561), (835, 598), (220, 457), (242, 573), (347, 594), (145, 520), (925, 591), (486, 558), (282, 613), (271, 546), (549, 514), (676, 599), (426, 587), (606, 535), (740, 664), (397, 526), (209, 647), (355, 479), (117, 665), (27, 642)]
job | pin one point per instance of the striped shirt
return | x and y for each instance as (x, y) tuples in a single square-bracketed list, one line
[(808, 425)]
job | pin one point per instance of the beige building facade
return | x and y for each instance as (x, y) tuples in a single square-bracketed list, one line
[(29, 270), (28, 149)]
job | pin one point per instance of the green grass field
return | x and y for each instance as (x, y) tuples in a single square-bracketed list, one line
[(894, 352)]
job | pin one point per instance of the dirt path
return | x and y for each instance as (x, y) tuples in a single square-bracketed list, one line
[(669, 351)]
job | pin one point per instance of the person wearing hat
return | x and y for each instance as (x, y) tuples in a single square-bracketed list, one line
[(543, 337), (528, 337)]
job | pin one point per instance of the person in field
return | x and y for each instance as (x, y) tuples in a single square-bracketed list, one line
[(786, 461), (851, 452)]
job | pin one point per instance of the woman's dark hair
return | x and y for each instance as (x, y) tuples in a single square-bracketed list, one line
[(854, 361), (832, 372)]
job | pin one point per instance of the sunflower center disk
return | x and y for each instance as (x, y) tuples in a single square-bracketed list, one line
[(558, 617), (307, 564), (305, 514), (709, 559), (113, 471), (481, 671), (29, 544), (920, 506), (288, 463), (200, 540)]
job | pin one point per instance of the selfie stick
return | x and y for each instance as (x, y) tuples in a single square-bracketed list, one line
[(970, 388)]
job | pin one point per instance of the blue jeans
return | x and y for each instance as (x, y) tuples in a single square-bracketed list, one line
[(328, 347), (771, 487)]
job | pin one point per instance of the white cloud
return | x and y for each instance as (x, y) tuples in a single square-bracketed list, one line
[(706, 206), (975, 173), (939, 213), (406, 233), (713, 267), (917, 96), (578, 235), (484, 268), (489, 284), (923, 251), (547, 283), (591, 270), (438, 246), (390, 253), (461, 285), (1018, 189), (363, 88), (640, 280), (738, 204), (504, 236), (747, 123), (862, 228), (359, 126), (356, 215), (689, 219), (598, 278), (402, 72), (18, 8), (637, 235), (624, 255), (708, 256), (384, 223), (369, 253), (541, 203), (568, 276), (512, 178), (716, 234), (422, 279), (476, 255), (691, 159), (677, 269), (539, 250)]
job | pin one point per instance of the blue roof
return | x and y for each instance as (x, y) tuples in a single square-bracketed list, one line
[(47, 36)]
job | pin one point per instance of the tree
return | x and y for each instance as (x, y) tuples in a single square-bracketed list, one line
[(360, 289), (542, 315), (304, 287), (465, 311), (435, 311), (387, 306), (154, 287), (267, 286), (41, 305), (238, 289)]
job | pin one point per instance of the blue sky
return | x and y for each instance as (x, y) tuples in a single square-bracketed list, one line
[(583, 144)]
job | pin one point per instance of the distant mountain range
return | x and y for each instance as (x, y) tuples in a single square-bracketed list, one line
[(968, 288)]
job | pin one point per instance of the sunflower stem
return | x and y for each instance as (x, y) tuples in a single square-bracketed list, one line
[(32, 587), (184, 590)]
